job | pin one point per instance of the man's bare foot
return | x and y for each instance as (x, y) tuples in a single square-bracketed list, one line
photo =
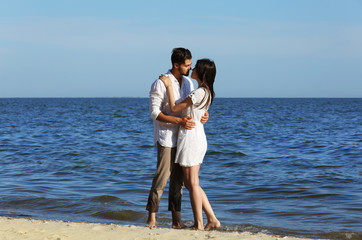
[(178, 225), (212, 225), (151, 225), (176, 221), (151, 222)]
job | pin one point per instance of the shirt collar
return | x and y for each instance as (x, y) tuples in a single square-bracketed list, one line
[(173, 79)]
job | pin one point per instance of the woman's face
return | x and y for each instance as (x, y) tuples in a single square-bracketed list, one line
[(194, 74)]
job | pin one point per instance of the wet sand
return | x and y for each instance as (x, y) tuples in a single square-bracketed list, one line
[(26, 228)]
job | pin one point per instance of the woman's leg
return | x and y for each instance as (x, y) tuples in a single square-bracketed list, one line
[(212, 221), (191, 178), (199, 200)]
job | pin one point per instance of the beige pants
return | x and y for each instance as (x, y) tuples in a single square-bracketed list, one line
[(166, 168)]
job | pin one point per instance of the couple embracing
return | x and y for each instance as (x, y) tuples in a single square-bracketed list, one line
[(179, 113)]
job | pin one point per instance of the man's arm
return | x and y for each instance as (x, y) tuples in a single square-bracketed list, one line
[(205, 118)]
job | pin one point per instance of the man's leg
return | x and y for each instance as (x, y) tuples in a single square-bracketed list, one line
[(175, 193), (151, 221), (159, 182)]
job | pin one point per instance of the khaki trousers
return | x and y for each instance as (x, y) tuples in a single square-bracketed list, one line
[(166, 168)]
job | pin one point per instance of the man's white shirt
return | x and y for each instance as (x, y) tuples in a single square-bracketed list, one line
[(166, 133)]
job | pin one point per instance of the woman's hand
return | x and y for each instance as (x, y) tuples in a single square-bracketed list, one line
[(166, 80)]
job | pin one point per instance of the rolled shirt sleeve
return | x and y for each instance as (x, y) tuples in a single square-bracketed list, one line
[(156, 96), (166, 133)]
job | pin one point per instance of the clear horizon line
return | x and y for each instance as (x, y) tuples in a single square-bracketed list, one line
[(148, 97)]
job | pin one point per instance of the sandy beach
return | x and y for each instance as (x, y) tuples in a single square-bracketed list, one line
[(24, 228)]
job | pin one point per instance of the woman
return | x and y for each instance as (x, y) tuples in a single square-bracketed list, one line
[(192, 144)]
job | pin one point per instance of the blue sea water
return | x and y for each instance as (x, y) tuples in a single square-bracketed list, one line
[(279, 166)]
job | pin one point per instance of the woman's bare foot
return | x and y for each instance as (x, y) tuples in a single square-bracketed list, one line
[(212, 225), (197, 229)]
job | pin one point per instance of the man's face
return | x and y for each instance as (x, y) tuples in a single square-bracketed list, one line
[(184, 68)]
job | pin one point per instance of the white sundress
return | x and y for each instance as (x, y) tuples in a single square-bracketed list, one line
[(192, 144)]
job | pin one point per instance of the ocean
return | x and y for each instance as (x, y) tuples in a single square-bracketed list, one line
[(274, 165)]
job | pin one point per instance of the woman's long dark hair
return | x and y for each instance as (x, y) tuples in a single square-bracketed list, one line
[(206, 71)]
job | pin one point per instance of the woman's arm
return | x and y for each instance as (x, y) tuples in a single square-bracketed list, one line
[(185, 122), (173, 106)]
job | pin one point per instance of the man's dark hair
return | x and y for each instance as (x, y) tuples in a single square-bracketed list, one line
[(179, 55)]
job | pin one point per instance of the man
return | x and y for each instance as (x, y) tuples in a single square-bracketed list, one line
[(166, 125)]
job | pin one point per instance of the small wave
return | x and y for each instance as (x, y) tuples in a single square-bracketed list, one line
[(34, 202), (105, 198), (213, 153), (230, 164), (354, 209), (283, 232), (98, 130), (324, 166), (103, 144), (319, 146), (236, 154), (60, 173), (343, 235), (262, 189), (79, 167), (230, 153), (69, 154), (242, 210), (146, 146), (124, 215), (320, 195), (244, 228)]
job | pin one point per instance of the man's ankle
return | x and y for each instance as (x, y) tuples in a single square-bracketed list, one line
[(151, 221), (176, 220), (176, 215), (151, 216)]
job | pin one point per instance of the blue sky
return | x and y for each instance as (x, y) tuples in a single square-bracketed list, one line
[(262, 48)]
